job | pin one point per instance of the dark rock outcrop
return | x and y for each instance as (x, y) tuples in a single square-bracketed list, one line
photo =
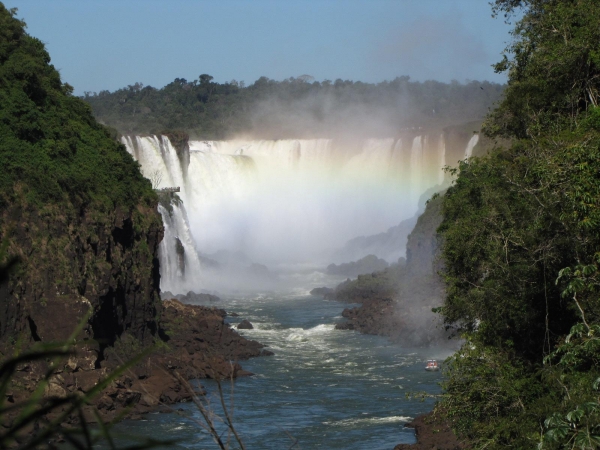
[(432, 432), (202, 330), (197, 344), (368, 264), (374, 316), (397, 301), (74, 265), (245, 325)]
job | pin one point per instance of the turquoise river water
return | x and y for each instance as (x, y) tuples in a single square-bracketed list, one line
[(323, 388)]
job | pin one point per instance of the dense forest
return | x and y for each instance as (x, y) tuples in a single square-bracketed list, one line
[(293, 108), (521, 244)]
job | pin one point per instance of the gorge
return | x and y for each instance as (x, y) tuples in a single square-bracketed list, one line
[(332, 388), (154, 240)]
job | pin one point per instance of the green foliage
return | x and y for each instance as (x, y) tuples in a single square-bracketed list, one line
[(521, 251), (209, 110), (578, 429), (494, 399), (521, 244), (554, 69), (52, 148)]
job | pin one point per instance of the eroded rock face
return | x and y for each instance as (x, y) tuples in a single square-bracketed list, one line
[(432, 432), (197, 344), (83, 223), (72, 265), (397, 301), (202, 330)]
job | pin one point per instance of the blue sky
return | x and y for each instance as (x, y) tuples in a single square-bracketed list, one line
[(109, 44)]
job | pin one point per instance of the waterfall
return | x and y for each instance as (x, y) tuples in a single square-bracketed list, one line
[(179, 261), (472, 143), (442, 153), (284, 201), (416, 160)]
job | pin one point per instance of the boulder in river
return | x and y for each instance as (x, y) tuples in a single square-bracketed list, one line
[(245, 325)]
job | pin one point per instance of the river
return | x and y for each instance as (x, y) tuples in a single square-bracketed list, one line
[(323, 388)]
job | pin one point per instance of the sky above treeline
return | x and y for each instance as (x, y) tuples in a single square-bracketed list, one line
[(110, 44)]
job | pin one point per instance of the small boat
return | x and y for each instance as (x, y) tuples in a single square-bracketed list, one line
[(432, 365)]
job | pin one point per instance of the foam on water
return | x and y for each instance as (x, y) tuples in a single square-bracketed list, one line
[(368, 421), (328, 389)]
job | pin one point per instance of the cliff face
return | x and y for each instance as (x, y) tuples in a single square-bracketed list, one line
[(74, 210), (77, 263), (422, 246), (397, 301)]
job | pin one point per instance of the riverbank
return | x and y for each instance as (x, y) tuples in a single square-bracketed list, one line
[(378, 316), (432, 432), (196, 343)]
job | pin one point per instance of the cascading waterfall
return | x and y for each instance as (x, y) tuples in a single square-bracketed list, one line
[(179, 261), (472, 143), (284, 201), (442, 153)]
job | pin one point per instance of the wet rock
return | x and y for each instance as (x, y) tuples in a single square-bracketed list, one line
[(432, 432), (245, 325), (199, 344), (375, 316)]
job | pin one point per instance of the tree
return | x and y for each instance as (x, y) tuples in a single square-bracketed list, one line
[(521, 243)]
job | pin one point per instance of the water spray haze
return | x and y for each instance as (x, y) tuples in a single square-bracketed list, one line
[(284, 202)]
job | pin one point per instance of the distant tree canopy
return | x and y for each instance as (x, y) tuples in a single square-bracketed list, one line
[(295, 107)]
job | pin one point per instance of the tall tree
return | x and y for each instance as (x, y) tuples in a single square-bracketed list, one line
[(522, 247)]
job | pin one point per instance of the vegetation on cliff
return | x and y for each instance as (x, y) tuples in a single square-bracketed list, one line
[(79, 275), (522, 248), (74, 210)]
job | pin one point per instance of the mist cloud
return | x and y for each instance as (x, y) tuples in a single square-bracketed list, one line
[(432, 48)]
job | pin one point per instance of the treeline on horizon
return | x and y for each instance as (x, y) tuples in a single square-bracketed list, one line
[(293, 108)]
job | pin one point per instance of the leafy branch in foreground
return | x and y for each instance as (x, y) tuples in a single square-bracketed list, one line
[(44, 418), (209, 418)]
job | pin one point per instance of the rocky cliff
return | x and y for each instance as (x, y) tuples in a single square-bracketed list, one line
[(75, 211), (83, 227), (78, 263), (397, 301)]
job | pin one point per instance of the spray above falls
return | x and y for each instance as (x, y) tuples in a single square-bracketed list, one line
[(284, 202)]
